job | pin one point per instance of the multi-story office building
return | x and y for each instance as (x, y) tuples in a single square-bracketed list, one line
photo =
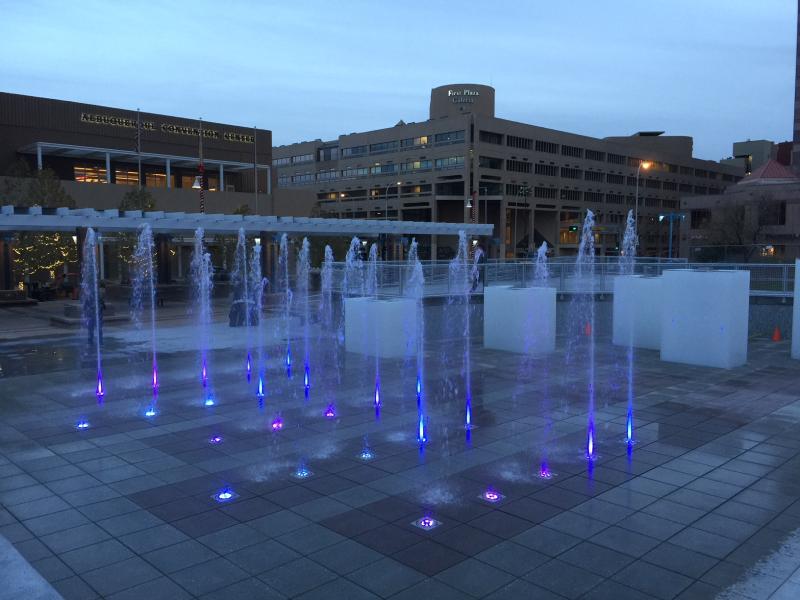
[(100, 153), (465, 164)]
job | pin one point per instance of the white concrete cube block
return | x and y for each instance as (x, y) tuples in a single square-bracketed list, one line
[(380, 327), (637, 311), (705, 317), (796, 312), (520, 320)]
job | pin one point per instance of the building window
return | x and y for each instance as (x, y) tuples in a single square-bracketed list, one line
[(573, 151), (355, 172), (416, 165), (283, 180), (302, 158), (594, 176), (593, 197), (326, 175), (685, 188), (726, 177), (414, 142), (383, 147), (700, 218), (515, 189), (449, 137), (571, 173), (518, 166), (615, 199), (519, 142), (157, 180), (302, 179), (281, 162), (700, 173), (354, 151), (595, 155), (383, 169), (616, 159), (489, 162), (700, 189), (549, 147), (615, 179), (772, 213), (687, 171), (543, 192), (126, 177), (653, 184), (329, 153), (490, 137), (451, 162), (89, 174), (571, 195), (669, 186), (549, 170)]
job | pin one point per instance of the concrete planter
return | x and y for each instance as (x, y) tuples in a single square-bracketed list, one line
[(521, 320), (382, 327), (637, 311), (705, 317)]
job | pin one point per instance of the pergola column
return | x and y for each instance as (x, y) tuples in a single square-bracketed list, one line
[(169, 173), (163, 267), (221, 177), (6, 265)]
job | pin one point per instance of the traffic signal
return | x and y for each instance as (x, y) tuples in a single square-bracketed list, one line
[(573, 228)]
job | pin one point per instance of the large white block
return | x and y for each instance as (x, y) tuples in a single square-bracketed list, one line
[(519, 319), (796, 312), (704, 317), (637, 311), (380, 327)]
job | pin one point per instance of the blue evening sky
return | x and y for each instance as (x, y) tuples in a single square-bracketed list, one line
[(718, 70)]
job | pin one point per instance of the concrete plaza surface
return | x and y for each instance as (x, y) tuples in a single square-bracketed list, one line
[(706, 505)]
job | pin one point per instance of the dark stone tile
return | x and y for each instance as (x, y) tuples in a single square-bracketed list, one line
[(512, 558), (180, 556), (247, 589), (352, 523), (651, 526), (501, 524), (653, 580), (204, 523), (297, 577), (339, 588), (704, 542), (74, 588), (530, 509), (120, 576), (250, 508), (597, 559), (77, 537), (310, 538), (130, 522), (545, 540), (625, 541), (88, 558), (262, 557), (429, 557), (563, 578), (432, 588), (52, 568), (475, 578), (386, 577), (679, 559), (232, 538), (612, 590), (157, 589), (345, 557), (209, 576), (467, 539), (152, 538), (388, 539)]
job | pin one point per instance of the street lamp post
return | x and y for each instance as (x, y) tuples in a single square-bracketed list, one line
[(671, 217), (386, 216), (643, 164)]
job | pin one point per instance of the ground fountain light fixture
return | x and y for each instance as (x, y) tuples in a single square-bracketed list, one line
[(277, 424), (82, 424), (330, 412), (426, 523), (150, 412), (209, 401), (492, 496), (215, 439), (225, 495)]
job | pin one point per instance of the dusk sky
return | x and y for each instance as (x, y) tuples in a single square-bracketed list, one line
[(718, 70)]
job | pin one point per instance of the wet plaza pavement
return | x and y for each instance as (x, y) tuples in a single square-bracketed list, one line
[(707, 503)]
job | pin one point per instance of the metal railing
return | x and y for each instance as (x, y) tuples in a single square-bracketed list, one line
[(772, 279)]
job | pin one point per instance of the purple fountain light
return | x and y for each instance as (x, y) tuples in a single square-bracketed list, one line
[(426, 523), (277, 424), (492, 496), (330, 412), (544, 471), (100, 390), (215, 439)]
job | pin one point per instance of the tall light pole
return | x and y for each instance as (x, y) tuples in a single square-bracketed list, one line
[(200, 179), (671, 217), (386, 217), (643, 164)]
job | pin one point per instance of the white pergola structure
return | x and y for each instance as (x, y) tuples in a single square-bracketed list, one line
[(36, 218)]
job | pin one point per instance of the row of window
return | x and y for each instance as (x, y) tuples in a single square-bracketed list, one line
[(451, 162), (124, 176), (292, 160)]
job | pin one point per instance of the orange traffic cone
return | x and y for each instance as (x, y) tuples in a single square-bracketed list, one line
[(776, 335), (588, 329)]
